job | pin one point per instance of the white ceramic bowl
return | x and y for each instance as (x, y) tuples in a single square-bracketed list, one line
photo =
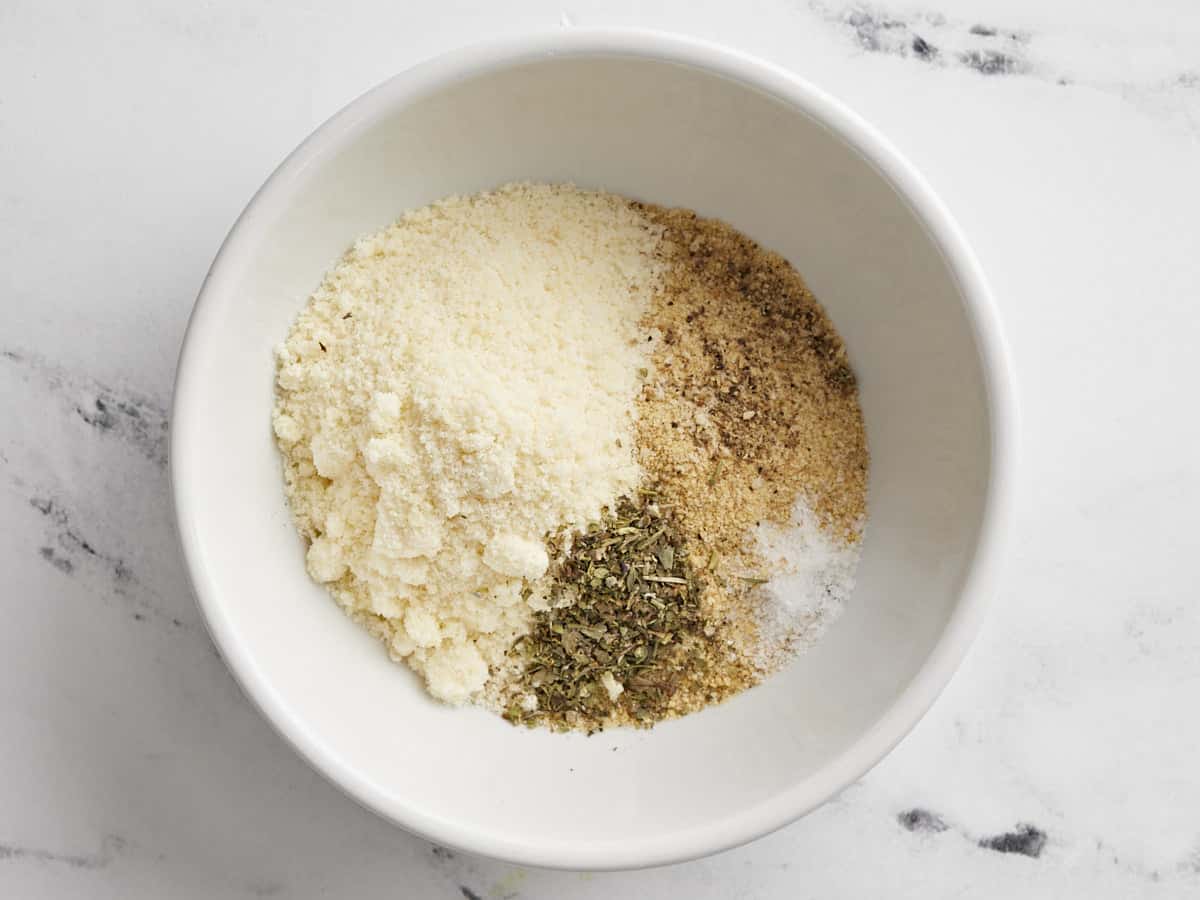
[(680, 123)]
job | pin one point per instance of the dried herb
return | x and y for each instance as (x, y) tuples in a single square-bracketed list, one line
[(627, 634)]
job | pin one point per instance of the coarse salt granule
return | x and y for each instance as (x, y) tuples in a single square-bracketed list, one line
[(461, 384), (812, 571)]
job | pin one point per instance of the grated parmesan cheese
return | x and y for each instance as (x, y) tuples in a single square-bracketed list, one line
[(461, 384)]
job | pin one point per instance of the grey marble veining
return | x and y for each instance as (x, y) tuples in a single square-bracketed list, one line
[(127, 416), (1060, 762)]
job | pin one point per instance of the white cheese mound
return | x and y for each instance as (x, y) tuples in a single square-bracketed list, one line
[(462, 383)]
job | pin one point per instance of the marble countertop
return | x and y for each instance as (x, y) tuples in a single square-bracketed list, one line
[(1063, 760)]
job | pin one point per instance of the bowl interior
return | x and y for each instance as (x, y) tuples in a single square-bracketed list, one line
[(674, 134)]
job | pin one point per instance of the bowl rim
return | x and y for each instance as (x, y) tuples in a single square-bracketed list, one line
[(897, 721)]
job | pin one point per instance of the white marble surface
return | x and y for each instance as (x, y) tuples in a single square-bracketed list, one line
[(1068, 145)]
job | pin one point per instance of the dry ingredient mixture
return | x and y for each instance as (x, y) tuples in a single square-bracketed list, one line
[(583, 460), (751, 421)]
